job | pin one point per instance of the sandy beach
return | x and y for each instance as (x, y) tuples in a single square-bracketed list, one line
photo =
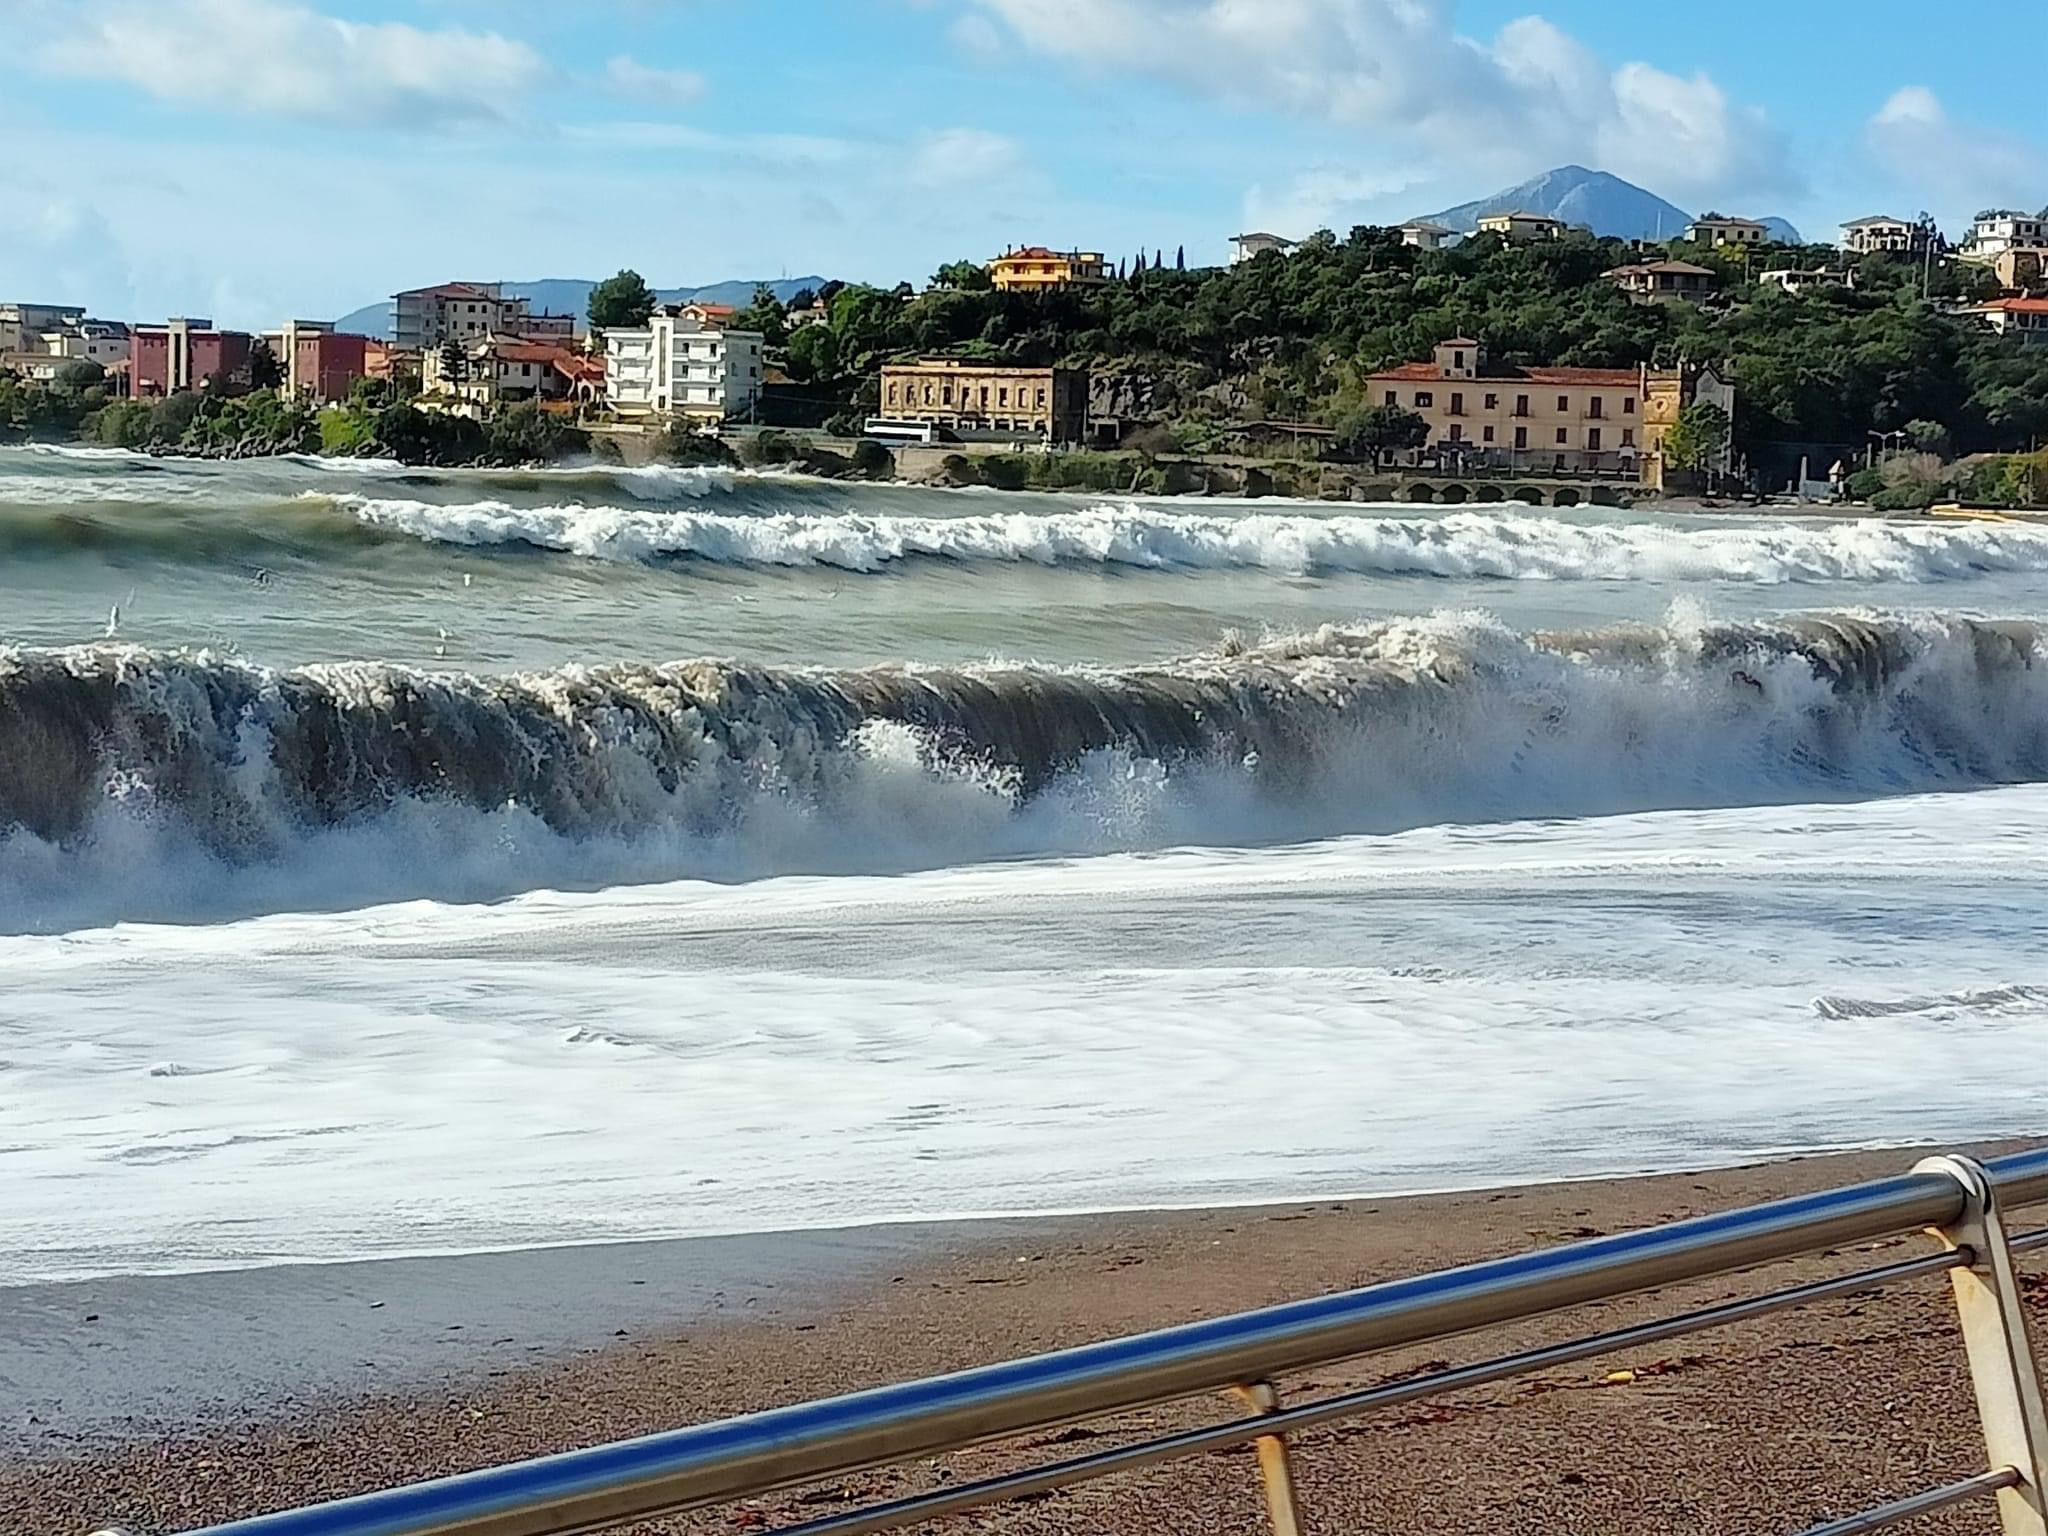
[(165, 1404)]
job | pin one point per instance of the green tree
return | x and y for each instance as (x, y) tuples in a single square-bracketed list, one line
[(766, 316), (265, 371), (621, 302), (1698, 437), (963, 276), (1378, 430), (79, 375), (1929, 437), (813, 356)]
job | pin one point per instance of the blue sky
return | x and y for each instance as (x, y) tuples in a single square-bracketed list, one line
[(254, 159)]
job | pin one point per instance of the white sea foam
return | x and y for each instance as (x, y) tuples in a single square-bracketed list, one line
[(1448, 1007), (1502, 545)]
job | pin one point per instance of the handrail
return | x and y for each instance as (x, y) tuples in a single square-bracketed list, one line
[(744, 1457)]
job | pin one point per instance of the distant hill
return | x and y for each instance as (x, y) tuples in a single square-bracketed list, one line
[(1602, 202), (571, 296)]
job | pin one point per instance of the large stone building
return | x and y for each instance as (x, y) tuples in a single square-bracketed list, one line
[(1035, 268), (677, 365), (1597, 422), (963, 395)]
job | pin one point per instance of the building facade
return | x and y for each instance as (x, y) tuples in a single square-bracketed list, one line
[(22, 326), (321, 365), (1714, 229), (678, 366), (1898, 237), (105, 342), (1509, 419), (499, 371), (1250, 247), (1998, 230), (425, 318), (1035, 268), (186, 353), (961, 394), (1522, 225), (2024, 318), (1427, 235), (1665, 282)]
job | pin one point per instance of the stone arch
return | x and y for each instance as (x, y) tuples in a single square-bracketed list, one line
[(1567, 496), (1489, 493), (1420, 492), (1605, 496), (1454, 494), (1532, 495)]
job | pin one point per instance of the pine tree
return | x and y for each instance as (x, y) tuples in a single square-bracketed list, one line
[(1180, 259)]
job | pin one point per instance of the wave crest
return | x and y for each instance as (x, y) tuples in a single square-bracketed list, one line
[(117, 765)]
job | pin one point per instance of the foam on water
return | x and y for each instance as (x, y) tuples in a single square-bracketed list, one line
[(1501, 545)]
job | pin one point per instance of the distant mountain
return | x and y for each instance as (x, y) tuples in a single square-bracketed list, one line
[(571, 296), (1602, 202), (1784, 231)]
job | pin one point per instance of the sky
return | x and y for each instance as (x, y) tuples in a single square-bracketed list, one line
[(257, 160)]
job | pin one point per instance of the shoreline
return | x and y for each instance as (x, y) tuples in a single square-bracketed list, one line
[(194, 1399)]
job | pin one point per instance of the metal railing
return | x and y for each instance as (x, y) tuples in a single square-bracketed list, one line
[(1957, 1199)]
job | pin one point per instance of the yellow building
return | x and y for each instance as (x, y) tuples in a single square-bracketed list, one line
[(1034, 268), (961, 394)]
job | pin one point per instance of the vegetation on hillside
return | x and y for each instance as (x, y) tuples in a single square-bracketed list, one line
[(1292, 336)]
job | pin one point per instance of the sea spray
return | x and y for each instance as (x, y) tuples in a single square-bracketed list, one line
[(618, 773)]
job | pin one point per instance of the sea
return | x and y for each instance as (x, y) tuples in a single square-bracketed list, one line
[(401, 861)]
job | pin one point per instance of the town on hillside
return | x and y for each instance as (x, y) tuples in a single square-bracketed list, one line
[(1521, 357)]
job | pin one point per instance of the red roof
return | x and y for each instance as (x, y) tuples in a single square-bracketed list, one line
[(2019, 306), (1427, 373), (719, 310), (528, 352)]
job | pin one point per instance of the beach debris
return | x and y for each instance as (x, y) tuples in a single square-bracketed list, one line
[(1618, 1378)]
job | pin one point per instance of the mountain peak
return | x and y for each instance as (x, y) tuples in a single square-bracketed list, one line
[(1599, 200)]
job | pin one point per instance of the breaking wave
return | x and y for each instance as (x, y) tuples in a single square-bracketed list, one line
[(135, 783), (1469, 544)]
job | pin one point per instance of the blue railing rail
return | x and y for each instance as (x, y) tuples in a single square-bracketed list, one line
[(1958, 1200)]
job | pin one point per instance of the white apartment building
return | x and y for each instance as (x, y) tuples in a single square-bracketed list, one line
[(1901, 237), (1998, 230), (676, 366), (1428, 235)]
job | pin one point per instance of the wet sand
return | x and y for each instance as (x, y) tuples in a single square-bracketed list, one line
[(196, 1399)]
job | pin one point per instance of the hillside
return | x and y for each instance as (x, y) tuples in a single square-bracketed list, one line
[(1604, 203), (571, 295)]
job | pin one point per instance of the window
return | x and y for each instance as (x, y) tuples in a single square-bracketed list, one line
[(892, 394), (1592, 439), (1597, 407), (1393, 397), (1564, 404), (1457, 433), (1521, 437), (1458, 361), (1457, 403), (1424, 399), (1041, 399), (984, 397), (1521, 405), (1487, 434), (1628, 405), (1003, 396), (927, 394), (1493, 402), (1628, 437), (1563, 436), (946, 393)]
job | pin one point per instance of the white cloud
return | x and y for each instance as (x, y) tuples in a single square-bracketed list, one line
[(1928, 153), (1323, 198), (1532, 97), (955, 156), (663, 87), (277, 58)]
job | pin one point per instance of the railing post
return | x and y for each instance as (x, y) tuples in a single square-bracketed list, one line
[(1276, 1470), (2002, 1367)]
